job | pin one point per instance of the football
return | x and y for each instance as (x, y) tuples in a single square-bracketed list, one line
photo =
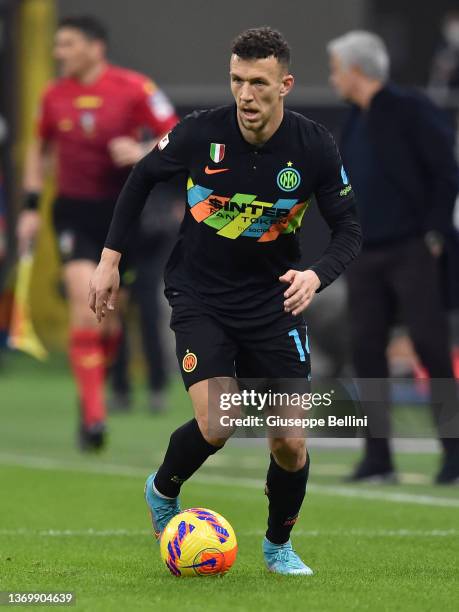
[(198, 542)]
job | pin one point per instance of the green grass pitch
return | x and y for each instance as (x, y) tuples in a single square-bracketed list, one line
[(77, 523)]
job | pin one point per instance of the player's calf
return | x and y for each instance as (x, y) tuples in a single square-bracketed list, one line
[(285, 491), (187, 451)]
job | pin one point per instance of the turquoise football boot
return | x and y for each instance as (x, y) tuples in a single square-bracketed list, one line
[(161, 510), (282, 559)]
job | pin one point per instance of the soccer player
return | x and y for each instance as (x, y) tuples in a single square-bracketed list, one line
[(233, 280), (90, 125)]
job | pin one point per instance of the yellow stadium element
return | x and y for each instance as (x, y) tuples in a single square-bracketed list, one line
[(36, 28), (22, 335), (36, 68)]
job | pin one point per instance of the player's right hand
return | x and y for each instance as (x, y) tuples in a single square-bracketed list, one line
[(125, 151), (104, 285), (27, 229)]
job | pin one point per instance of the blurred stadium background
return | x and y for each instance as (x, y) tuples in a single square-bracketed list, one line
[(184, 47), (188, 57)]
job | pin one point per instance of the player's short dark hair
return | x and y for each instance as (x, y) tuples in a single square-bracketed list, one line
[(258, 43), (90, 26)]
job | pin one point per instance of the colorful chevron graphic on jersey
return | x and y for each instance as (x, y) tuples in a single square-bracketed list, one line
[(244, 215)]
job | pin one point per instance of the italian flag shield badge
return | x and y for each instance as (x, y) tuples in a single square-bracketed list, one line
[(217, 152)]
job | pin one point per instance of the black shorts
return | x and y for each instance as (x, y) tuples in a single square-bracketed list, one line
[(81, 227), (210, 345)]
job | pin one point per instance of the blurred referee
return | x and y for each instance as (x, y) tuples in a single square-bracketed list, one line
[(89, 127), (399, 152)]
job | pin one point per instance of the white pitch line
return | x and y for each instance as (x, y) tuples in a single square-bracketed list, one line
[(59, 533), (109, 533), (42, 463), (48, 463), (368, 533), (325, 469), (341, 491), (406, 498), (126, 470)]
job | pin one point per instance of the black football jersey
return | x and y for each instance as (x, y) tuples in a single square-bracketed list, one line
[(245, 206)]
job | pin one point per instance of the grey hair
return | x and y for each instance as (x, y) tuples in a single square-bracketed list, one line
[(363, 50)]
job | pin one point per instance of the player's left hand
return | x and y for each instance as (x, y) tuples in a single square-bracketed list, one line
[(125, 151), (303, 286)]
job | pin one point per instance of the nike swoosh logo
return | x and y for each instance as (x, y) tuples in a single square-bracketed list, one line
[(208, 170)]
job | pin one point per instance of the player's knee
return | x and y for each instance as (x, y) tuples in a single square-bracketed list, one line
[(211, 434), (212, 437), (217, 442), (290, 453), (288, 445)]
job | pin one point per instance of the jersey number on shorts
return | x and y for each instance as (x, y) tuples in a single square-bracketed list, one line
[(296, 336)]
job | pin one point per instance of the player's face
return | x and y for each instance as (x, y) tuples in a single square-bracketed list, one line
[(258, 86), (342, 78), (75, 53)]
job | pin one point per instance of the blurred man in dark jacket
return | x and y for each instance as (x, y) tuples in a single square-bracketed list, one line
[(399, 153)]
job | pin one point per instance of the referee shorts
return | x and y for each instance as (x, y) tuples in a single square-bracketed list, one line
[(210, 345), (81, 227)]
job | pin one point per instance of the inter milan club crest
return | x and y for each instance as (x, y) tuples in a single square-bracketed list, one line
[(288, 178), (217, 152), (189, 362)]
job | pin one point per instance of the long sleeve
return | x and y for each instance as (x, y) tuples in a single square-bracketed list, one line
[(336, 203), (345, 243), (168, 158)]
